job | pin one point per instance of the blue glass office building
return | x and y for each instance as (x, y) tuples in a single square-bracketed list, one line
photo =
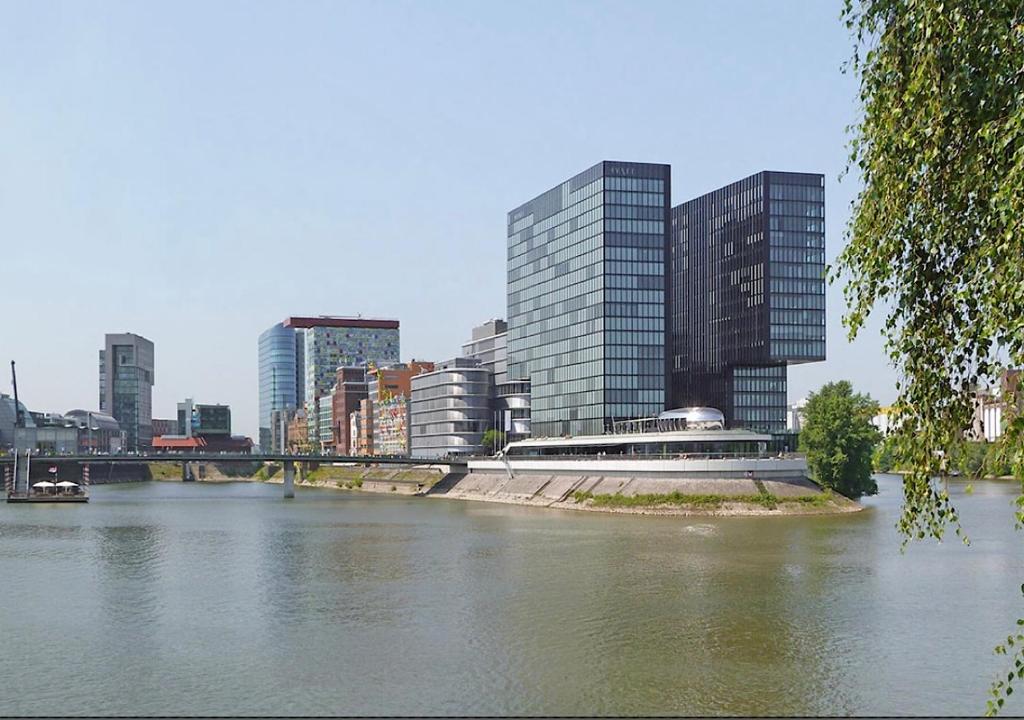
[(747, 267), (587, 297), (281, 375)]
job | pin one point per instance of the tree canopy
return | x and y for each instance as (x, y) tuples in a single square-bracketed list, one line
[(937, 231), (839, 439)]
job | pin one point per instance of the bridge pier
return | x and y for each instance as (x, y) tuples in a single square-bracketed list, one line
[(289, 478)]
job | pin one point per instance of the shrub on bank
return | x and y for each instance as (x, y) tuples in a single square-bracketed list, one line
[(711, 501)]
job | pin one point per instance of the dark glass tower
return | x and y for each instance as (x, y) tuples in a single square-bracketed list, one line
[(587, 298), (747, 266)]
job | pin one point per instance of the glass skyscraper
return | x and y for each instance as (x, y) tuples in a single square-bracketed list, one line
[(587, 298), (126, 386), (747, 267), (301, 356), (281, 380), (333, 342)]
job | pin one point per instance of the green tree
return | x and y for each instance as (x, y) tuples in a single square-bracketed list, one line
[(494, 440), (839, 439), (882, 458), (937, 231)]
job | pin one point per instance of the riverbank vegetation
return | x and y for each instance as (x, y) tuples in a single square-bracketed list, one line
[(703, 501), (975, 459), (839, 439), (937, 232)]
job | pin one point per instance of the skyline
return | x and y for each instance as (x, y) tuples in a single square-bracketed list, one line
[(202, 164)]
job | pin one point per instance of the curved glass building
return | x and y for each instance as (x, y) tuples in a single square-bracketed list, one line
[(279, 376)]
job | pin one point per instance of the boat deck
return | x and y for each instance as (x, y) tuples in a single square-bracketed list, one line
[(23, 498)]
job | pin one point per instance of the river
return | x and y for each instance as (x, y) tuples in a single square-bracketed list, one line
[(166, 598)]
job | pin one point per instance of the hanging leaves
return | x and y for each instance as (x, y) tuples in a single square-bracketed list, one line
[(936, 236)]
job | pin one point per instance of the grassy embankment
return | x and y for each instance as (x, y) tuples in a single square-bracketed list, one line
[(211, 470), (704, 502), (353, 477)]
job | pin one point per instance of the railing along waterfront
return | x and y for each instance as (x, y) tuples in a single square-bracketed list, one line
[(651, 456)]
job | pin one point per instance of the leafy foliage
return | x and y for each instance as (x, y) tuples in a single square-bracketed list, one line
[(937, 231), (493, 440), (882, 458), (839, 439)]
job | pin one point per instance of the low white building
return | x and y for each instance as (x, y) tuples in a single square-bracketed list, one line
[(795, 415)]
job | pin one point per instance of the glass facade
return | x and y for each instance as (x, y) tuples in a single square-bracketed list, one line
[(450, 409), (278, 376), (587, 298), (329, 347), (126, 386), (747, 265)]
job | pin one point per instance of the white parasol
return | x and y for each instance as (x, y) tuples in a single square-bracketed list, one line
[(43, 484), (66, 484)]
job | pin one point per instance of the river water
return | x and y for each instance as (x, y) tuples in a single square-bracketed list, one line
[(164, 598)]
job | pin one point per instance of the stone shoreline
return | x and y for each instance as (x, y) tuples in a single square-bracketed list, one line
[(790, 499)]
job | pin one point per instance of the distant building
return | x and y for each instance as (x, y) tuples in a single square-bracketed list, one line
[(586, 298), (881, 420), (362, 423), (7, 419), (510, 399), (747, 289), (349, 389), (795, 416), (281, 378), (298, 433), (995, 408), (450, 409), (196, 419), (98, 432), (279, 420), (126, 386), (203, 428), (48, 433), (388, 391), (164, 427), (325, 410), (333, 342)]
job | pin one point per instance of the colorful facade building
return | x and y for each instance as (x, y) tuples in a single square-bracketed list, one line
[(388, 390), (333, 342)]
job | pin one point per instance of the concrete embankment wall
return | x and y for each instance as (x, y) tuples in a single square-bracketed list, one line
[(546, 489), (99, 473)]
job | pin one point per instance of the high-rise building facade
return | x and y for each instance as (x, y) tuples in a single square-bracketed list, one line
[(587, 298), (747, 295), (510, 398), (126, 386), (281, 379), (333, 342), (450, 409), (300, 357)]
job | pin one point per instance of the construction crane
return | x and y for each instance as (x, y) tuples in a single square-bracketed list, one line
[(18, 416), (382, 390)]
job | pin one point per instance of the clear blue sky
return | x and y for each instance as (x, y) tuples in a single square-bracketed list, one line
[(194, 171)]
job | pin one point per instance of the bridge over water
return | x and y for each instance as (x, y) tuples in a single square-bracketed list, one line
[(22, 460)]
